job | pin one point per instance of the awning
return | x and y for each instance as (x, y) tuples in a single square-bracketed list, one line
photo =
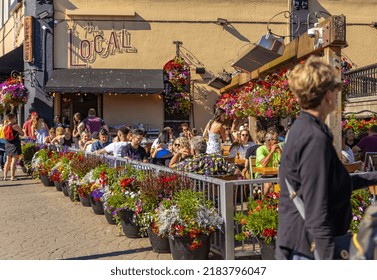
[(105, 80), (13, 60)]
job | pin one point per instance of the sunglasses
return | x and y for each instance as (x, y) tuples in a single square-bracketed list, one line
[(273, 139), (244, 135), (177, 144)]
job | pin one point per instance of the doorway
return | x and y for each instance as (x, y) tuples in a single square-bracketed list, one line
[(81, 102)]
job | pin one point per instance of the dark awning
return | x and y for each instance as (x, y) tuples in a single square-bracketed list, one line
[(105, 80), (13, 60)]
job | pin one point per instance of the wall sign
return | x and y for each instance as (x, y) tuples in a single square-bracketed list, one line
[(96, 44), (28, 39)]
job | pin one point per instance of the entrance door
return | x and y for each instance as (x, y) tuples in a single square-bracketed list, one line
[(79, 103)]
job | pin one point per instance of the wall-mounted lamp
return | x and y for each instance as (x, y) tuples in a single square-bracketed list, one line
[(200, 70), (222, 21), (374, 24), (221, 80), (44, 14), (268, 48)]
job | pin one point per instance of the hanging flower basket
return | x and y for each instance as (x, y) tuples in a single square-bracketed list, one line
[(12, 93), (271, 96), (177, 95)]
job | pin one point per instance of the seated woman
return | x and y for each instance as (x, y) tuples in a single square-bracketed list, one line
[(229, 139), (85, 137), (239, 148), (51, 135), (67, 140), (162, 152), (59, 135), (181, 151)]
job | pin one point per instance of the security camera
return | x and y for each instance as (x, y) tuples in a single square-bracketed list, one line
[(312, 31)]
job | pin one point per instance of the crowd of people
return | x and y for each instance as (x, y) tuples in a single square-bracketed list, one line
[(184, 152)]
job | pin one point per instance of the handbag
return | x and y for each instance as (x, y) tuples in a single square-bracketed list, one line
[(342, 243)]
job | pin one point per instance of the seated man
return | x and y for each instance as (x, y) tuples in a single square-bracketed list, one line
[(268, 155), (114, 148), (102, 142), (202, 163), (133, 150), (368, 143)]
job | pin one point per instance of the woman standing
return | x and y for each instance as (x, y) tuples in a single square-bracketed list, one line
[(310, 165), (12, 147), (77, 119), (215, 132), (41, 130)]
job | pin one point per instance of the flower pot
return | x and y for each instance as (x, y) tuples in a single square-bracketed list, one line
[(97, 206), (46, 181), (65, 188), (110, 218), (130, 229), (72, 193), (58, 186), (180, 248), (159, 244), (85, 200), (267, 251), (24, 169)]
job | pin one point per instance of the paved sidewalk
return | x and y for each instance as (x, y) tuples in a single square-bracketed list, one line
[(40, 223)]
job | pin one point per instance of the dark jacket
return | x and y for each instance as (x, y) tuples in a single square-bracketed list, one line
[(311, 165)]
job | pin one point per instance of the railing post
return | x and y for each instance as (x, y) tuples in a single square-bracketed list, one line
[(227, 212)]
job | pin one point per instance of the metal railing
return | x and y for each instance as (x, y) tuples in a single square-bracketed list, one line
[(228, 197), (363, 81)]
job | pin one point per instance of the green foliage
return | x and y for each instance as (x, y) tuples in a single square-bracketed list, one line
[(261, 220)]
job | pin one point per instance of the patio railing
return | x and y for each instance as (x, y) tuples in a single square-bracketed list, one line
[(363, 81), (228, 197)]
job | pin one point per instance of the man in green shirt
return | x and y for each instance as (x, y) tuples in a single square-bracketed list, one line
[(268, 155)]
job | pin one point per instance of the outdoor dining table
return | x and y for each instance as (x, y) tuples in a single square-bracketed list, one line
[(266, 170)]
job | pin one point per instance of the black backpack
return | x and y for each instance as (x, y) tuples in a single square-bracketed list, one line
[(364, 243)]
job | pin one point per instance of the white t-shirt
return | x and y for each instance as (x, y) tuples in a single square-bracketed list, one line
[(241, 149), (349, 155), (115, 148), (155, 144)]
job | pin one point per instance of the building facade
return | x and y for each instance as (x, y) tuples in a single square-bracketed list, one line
[(80, 54)]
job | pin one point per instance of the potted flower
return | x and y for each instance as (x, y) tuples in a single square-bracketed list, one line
[(188, 220), (261, 222), (80, 166), (84, 188), (154, 188), (122, 200), (28, 151), (359, 202), (56, 175), (42, 163), (123, 203)]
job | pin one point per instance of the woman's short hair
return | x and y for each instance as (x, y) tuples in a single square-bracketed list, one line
[(184, 142), (311, 80), (199, 144), (59, 130)]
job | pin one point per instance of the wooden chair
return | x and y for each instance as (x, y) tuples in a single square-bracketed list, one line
[(225, 149), (248, 173)]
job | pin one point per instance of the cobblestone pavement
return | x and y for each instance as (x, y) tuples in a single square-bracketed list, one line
[(40, 223)]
